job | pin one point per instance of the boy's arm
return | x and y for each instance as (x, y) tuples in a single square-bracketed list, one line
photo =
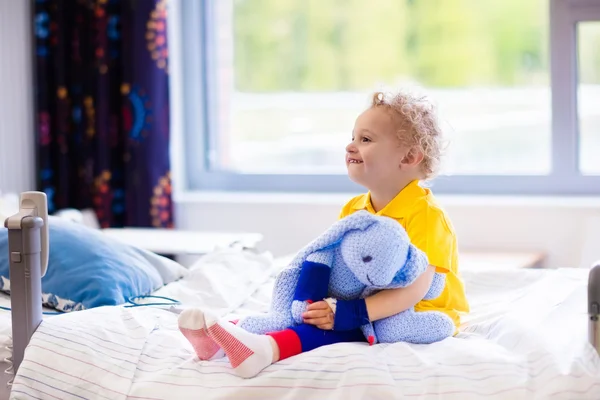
[(393, 301), (350, 314)]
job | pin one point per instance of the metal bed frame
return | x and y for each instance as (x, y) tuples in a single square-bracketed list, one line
[(28, 254)]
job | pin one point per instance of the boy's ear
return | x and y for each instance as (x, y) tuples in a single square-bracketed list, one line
[(413, 157)]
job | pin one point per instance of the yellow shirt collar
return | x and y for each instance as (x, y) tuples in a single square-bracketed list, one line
[(400, 206)]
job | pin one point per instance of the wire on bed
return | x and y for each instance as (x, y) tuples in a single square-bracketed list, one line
[(45, 312), (169, 301), (131, 301)]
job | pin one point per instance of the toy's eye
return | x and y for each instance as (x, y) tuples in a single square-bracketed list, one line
[(367, 259)]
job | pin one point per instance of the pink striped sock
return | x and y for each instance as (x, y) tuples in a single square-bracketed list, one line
[(248, 353), (192, 326)]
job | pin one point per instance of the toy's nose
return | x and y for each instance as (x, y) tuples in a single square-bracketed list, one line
[(367, 259)]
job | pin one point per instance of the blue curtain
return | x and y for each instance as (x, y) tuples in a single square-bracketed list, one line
[(102, 108)]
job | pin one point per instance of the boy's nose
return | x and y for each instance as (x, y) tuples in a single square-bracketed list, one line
[(351, 148)]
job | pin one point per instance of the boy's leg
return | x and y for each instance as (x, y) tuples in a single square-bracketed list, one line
[(303, 338), (250, 353)]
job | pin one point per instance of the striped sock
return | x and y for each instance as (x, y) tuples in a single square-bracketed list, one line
[(248, 353), (192, 326)]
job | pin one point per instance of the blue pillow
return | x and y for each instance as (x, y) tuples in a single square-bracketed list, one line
[(87, 268)]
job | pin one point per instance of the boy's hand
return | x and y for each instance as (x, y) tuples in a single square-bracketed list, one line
[(298, 310), (319, 314)]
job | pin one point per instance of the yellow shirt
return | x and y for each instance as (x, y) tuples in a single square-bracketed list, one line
[(430, 230)]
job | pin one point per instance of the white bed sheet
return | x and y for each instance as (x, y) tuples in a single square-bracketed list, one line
[(526, 337)]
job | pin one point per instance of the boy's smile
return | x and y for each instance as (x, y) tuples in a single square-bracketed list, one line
[(352, 160)]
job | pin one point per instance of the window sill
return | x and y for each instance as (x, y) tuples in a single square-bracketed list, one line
[(338, 199)]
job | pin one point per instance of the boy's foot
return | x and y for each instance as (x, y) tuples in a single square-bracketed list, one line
[(248, 353), (192, 326)]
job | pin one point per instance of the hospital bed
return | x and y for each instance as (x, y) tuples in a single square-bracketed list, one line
[(531, 333)]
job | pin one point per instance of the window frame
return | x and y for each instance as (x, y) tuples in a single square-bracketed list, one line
[(200, 135)]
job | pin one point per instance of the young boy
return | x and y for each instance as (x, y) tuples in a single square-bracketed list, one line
[(396, 143)]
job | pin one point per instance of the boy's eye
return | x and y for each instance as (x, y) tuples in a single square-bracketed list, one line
[(366, 139)]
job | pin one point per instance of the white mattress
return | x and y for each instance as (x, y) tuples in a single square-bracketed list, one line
[(525, 338)]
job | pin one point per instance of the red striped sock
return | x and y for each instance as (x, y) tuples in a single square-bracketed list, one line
[(248, 353), (192, 326)]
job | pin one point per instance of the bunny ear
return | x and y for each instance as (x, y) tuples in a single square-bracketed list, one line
[(416, 264), (333, 236)]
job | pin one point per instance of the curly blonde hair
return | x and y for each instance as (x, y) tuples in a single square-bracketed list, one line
[(417, 126)]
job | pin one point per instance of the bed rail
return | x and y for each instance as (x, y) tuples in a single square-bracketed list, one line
[(28, 255), (594, 306)]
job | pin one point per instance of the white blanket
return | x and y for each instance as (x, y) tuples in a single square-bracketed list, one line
[(526, 337)]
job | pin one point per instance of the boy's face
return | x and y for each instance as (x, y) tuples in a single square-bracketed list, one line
[(374, 156)]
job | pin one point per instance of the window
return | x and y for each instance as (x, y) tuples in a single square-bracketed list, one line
[(588, 96), (272, 88)]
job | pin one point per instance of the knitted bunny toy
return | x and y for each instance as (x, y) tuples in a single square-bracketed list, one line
[(356, 257)]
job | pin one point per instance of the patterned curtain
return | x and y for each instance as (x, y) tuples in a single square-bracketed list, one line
[(102, 108)]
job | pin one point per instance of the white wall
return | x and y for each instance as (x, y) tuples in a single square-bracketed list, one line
[(16, 99), (568, 230)]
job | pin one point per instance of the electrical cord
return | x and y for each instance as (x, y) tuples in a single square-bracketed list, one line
[(132, 303)]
